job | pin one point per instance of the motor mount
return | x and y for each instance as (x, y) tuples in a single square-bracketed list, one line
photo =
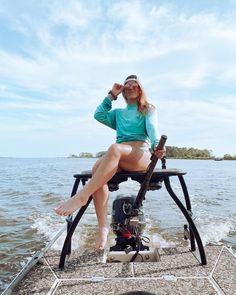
[(128, 224)]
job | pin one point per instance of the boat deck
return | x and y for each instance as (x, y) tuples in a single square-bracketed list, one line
[(177, 272)]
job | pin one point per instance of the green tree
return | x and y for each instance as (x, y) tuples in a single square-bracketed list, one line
[(229, 157), (85, 155), (187, 153)]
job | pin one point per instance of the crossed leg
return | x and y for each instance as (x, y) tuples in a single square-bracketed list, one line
[(118, 156)]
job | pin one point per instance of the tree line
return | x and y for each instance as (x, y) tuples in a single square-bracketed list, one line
[(187, 153), (172, 152)]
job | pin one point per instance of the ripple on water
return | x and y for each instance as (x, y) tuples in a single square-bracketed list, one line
[(50, 198)]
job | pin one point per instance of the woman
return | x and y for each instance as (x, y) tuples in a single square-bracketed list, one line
[(136, 127)]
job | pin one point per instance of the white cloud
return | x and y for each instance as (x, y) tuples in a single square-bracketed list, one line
[(74, 51), (74, 14), (203, 124)]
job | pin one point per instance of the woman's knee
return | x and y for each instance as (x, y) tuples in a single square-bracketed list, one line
[(114, 150)]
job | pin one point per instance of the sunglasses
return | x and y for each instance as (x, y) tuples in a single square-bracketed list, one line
[(131, 84)]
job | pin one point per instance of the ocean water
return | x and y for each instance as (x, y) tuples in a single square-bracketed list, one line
[(31, 188)]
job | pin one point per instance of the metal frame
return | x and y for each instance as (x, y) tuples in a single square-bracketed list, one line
[(159, 175)]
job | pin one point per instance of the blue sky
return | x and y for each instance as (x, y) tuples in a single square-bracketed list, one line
[(59, 58)]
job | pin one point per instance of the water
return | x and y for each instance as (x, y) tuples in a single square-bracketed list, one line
[(31, 188)]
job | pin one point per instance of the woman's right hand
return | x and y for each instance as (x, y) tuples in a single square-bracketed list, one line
[(117, 89)]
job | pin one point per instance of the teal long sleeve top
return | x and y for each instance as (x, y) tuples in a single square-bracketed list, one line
[(129, 123)]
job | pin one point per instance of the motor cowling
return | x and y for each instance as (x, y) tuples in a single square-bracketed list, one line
[(127, 223)]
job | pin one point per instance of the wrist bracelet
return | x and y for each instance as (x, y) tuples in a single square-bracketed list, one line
[(112, 94)]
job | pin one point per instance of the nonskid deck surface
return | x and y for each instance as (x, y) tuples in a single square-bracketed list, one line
[(178, 272)]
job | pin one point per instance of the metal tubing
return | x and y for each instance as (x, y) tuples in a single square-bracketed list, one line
[(75, 186), (185, 191), (67, 241), (189, 219), (71, 224), (188, 206), (69, 219)]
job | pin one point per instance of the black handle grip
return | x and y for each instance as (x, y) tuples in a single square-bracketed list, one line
[(144, 186), (162, 142)]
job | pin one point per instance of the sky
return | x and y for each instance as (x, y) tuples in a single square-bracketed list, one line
[(59, 59)]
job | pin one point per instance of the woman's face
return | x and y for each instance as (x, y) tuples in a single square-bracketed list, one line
[(131, 91)]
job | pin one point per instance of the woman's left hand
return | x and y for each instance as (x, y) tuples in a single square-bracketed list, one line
[(159, 153)]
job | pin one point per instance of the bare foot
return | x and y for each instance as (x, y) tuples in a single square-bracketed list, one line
[(70, 206), (102, 238)]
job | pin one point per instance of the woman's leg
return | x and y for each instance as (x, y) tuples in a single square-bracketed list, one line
[(107, 168), (118, 155), (100, 199)]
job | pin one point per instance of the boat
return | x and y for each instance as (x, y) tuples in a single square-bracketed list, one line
[(218, 159), (130, 265), (177, 272)]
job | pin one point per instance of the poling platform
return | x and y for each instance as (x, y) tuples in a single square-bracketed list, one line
[(157, 178)]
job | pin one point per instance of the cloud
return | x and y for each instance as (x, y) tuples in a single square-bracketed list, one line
[(70, 53), (69, 34), (202, 124)]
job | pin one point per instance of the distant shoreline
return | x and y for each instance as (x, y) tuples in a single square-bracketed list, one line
[(172, 152), (94, 157), (172, 158)]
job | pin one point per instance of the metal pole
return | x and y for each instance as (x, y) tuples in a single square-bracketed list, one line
[(189, 219), (188, 206), (67, 242)]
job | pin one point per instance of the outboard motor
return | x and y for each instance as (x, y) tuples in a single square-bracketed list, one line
[(128, 220), (128, 224)]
